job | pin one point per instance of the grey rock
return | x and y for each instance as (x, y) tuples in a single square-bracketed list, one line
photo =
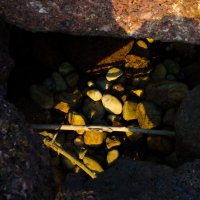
[(169, 117), (172, 66), (159, 73), (72, 79)]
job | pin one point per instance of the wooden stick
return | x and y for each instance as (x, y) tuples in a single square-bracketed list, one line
[(58, 149), (101, 129)]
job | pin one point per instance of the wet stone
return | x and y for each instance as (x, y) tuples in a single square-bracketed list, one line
[(114, 73), (94, 94)]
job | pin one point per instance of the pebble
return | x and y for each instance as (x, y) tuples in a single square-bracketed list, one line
[(94, 94), (94, 138), (112, 104), (142, 44), (94, 110), (60, 84), (62, 106), (112, 141), (92, 164), (112, 156), (68, 164), (103, 84), (166, 93), (72, 79), (148, 114), (159, 73), (172, 66), (114, 73), (42, 96), (76, 118), (90, 84), (66, 68), (49, 84), (83, 151), (79, 141), (139, 93), (118, 89), (129, 110)]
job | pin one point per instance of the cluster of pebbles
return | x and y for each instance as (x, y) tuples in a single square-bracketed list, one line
[(135, 94)]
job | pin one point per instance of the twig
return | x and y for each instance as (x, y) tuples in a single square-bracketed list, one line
[(101, 129), (58, 149)]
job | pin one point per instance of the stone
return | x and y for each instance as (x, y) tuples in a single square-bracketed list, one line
[(169, 117), (172, 66), (142, 44), (62, 106), (140, 82), (187, 126), (76, 118), (118, 89), (66, 68), (69, 165), (94, 94), (72, 79), (148, 115), (112, 141), (112, 156), (93, 110), (159, 73), (112, 104), (60, 84), (103, 84), (166, 93), (83, 151), (114, 73), (92, 164), (42, 96), (171, 77), (160, 145), (94, 138), (79, 141), (90, 84), (132, 135), (129, 110), (49, 84), (139, 93)]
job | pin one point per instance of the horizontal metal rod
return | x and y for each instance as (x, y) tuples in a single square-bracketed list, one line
[(101, 129)]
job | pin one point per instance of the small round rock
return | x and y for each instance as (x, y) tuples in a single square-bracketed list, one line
[(112, 156), (114, 73), (94, 94)]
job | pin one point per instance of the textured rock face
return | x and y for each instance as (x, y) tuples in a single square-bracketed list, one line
[(173, 20), (187, 124), (130, 179)]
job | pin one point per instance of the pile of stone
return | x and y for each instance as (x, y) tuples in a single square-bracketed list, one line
[(136, 94)]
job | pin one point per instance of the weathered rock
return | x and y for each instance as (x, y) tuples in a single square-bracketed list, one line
[(112, 156), (92, 164), (129, 110), (76, 118), (94, 94), (166, 93), (94, 138), (25, 164), (42, 96), (93, 110), (159, 73), (112, 141), (60, 84), (112, 104), (171, 66), (148, 115), (187, 126), (114, 73), (72, 79), (171, 22)]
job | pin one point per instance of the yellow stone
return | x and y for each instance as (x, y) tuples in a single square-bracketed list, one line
[(62, 106), (139, 93), (142, 44), (92, 164), (150, 40)]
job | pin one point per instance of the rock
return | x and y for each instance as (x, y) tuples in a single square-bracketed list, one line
[(83, 151), (148, 115), (49, 84), (136, 66), (72, 79), (166, 93), (60, 84), (160, 145), (67, 163), (76, 118), (103, 84), (73, 99), (112, 156), (140, 82), (172, 66), (112, 141), (79, 141), (132, 135), (171, 77), (92, 164), (142, 44), (114, 73), (129, 110), (169, 117), (159, 73), (42, 96), (66, 68), (118, 89), (90, 84), (94, 94), (112, 104), (62, 106), (187, 126), (94, 138), (93, 110), (139, 93)]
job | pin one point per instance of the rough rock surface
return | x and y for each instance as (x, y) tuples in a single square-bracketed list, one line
[(25, 171), (164, 20), (130, 179), (187, 125)]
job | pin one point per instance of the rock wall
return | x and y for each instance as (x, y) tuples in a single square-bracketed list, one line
[(166, 20)]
